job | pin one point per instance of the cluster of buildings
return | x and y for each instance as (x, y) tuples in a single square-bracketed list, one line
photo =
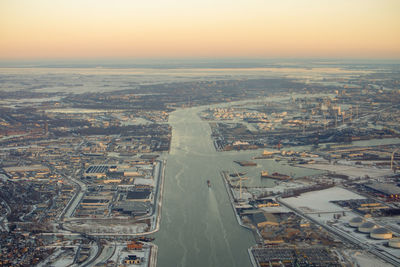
[(18, 248), (294, 256), (286, 228), (66, 168), (365, 207), (300, 121), (387, 191), (29, 172)]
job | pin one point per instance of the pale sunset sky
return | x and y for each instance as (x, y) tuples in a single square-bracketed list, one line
[(58, 29)]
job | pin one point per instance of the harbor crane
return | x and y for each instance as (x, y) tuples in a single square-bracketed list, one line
[(240, 183)]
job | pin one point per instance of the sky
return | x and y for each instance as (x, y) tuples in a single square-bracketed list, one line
[(89, 29)]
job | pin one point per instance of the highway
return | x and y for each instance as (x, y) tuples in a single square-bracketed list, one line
[(100, 248), (107, 252)]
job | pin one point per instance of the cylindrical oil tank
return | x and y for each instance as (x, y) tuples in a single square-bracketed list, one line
[(367, 227), (356, 222), (394, 242), (381, 233)]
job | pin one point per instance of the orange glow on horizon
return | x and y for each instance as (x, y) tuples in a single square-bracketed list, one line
[(286, 28)]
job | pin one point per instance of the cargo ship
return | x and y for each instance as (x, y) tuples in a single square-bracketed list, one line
[(145, 238), (246, 163), (275, 175), (237, 174)]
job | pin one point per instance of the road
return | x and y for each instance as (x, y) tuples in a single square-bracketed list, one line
[(99, 250), (75, 200), (3, 225), (106, 254)]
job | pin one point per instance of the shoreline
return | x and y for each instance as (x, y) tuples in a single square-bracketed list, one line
[(231, 199)]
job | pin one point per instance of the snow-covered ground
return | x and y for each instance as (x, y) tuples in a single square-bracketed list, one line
[(144, 181), (106, 254), (281, 186), (275, 209), (319, 201), (350, 170), (366, 260), (318, 205), (236, 194), (60, 257), (98, 227)]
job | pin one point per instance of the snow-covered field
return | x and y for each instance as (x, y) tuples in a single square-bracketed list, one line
[(351, 171), (96, 227), (367, 260), (319, 201), (60, 258)]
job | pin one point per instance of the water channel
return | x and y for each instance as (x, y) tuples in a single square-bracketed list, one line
[(198, 227)]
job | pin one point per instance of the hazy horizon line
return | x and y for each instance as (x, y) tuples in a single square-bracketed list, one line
[(228, 62)]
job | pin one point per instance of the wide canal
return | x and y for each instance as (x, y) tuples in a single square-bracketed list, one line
[(198, 226)]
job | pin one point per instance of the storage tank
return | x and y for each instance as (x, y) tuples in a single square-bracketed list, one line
[(367, 227), (356, 222), (381, 233), (394, 242)]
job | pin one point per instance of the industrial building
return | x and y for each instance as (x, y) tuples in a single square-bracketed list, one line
[(133, 208), (288, 256), (388, 191), (132, 259), (99, 171), (364, 207), (394, 242)]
